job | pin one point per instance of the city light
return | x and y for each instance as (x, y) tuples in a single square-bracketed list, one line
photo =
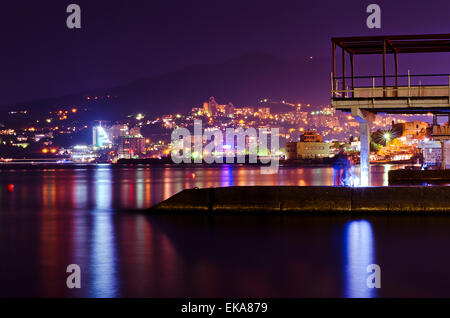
[(211, 157)]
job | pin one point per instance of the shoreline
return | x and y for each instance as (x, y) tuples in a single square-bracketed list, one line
[(76, 165)]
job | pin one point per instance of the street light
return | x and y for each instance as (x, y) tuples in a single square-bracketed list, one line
[(387, 137)]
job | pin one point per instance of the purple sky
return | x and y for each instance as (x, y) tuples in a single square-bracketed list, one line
[(124, 40)]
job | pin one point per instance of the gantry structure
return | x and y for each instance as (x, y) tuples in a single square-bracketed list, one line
[(365, 96)]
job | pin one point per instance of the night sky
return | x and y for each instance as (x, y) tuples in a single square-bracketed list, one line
[(124, 40)]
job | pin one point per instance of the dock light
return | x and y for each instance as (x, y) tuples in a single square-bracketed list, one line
[(10, 187), (45, 150)]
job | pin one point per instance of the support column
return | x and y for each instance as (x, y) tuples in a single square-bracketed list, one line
[(364, 118), (443, 154), (364, 133)]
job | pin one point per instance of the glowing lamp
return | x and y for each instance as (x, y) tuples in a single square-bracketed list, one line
[(10, 187)]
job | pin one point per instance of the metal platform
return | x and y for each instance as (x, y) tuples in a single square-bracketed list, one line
[(364, 96)]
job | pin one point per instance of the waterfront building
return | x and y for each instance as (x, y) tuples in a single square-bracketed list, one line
[(412, 130), (311, 136), (291, 150), (100, 137), (82, 153), (311, 146)]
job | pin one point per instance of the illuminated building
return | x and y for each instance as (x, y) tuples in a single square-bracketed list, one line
[(7, 132), (131, 146), (82, 153), (311, 136), (116, 131), (38, 137), (248, 110), (291, 150), (197, 111), (264, 112), (415, 129), (313, 150), (311, 147), (221, 109), (210, 107), (135, 131), (229, 109), (100, 137), (431, 152), (355, 145)]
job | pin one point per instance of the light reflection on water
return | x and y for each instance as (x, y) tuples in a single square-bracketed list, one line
[(103, 257), (103, 249), (359, 253), (58, 217)]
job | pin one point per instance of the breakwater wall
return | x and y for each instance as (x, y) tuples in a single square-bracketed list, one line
[(319, 199), (410, 176)]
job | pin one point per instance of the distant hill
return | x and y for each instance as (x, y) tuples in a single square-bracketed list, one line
[(243, 81)]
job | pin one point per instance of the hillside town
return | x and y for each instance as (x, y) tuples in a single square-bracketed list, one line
[(306, 132)]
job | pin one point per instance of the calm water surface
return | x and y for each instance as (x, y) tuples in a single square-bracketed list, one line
[(54, 218)]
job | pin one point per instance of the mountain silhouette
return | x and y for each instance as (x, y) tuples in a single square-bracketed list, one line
[(243, 81)]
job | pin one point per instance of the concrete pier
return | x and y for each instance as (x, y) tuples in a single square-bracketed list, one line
[(291, 199)]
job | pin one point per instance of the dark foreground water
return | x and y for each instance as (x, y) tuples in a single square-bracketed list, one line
[(54, 218)]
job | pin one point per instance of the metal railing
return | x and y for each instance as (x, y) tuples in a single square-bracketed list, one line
[(401, 86)]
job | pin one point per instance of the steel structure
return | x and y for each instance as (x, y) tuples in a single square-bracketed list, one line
[(364, 96)]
